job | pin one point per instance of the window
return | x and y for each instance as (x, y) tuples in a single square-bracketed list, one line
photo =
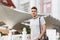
[(25, 7)]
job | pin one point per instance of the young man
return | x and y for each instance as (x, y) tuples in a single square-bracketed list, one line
[(34, 25), (9, 3)]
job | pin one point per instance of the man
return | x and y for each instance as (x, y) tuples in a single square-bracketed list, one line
[(34, 25), (9, 3)]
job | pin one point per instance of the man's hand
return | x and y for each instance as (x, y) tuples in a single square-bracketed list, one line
[(37, 38)]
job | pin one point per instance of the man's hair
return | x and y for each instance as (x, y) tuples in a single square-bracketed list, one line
[(34, 8)]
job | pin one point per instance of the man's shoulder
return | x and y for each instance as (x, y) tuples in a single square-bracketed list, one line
[(41, 17)]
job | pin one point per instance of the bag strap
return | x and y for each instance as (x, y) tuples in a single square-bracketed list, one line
[(40, 25)]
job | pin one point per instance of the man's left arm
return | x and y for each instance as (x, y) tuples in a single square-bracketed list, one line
[(43, 31), (43, 25)]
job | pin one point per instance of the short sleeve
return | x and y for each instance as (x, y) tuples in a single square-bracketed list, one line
[(42, 21)]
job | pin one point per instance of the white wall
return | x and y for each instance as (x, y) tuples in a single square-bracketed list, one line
[(51, 33)]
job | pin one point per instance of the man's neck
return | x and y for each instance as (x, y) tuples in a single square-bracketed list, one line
[(35, 17)]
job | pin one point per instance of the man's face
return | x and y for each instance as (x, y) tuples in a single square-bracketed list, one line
[(33, 12)]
